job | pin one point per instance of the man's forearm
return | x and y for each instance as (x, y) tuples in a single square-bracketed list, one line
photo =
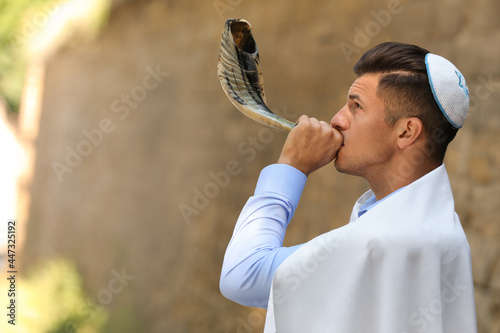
[(256, 248)]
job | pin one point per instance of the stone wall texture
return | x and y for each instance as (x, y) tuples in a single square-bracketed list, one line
[(143, 105)]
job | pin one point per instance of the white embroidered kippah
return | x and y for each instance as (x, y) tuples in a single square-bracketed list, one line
[(449, 88)]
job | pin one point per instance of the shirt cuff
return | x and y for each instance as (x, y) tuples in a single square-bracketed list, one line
[(282, 179)]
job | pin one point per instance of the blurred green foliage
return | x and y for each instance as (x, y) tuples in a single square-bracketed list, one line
[(16, 28), (23, 20), (51, 300)]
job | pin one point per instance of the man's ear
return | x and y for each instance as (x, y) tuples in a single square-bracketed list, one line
[(409, 129)]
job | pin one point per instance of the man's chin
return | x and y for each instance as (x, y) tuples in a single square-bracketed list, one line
[(348, 169), (339, 159), (343, 167), (339, 165)]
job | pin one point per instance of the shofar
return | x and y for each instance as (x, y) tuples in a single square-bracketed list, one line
[(241, 77)]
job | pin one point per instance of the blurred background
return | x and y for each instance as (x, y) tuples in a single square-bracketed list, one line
[(117, 139)]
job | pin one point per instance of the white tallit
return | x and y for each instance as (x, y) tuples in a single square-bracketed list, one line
[(402, 267)]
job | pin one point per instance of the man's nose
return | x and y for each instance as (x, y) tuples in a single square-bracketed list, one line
[(339, 121)]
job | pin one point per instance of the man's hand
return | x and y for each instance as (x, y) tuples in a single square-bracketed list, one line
[(311, 145)]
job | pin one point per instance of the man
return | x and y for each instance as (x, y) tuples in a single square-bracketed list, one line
[(402, 263)]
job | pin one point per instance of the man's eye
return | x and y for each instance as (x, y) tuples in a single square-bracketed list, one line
[(357, 106)]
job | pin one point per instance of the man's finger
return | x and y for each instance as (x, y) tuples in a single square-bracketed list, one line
[(301, 119)]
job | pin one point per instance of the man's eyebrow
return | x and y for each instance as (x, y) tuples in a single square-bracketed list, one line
[(353, 96)]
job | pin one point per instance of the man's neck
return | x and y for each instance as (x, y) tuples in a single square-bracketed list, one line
[(393, 178)]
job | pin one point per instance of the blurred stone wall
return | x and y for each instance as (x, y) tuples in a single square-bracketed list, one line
[(134, 126)]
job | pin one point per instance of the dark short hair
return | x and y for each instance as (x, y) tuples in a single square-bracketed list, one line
[(405, 90)]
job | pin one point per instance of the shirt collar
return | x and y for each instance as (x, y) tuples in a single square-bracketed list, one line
[(372, 202)]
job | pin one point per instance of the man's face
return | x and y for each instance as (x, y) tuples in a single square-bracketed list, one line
[(369, 141)]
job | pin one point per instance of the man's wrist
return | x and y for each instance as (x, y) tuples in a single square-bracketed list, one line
[(294, 164), (282, 179)]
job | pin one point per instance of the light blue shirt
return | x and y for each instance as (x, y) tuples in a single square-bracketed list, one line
[(372, 202), (256, 247)]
